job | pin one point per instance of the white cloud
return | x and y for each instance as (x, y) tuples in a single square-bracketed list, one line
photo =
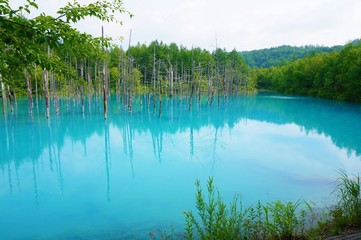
[(239, 24)]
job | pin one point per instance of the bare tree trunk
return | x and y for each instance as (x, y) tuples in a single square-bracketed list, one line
[(183, 80), (82, 90), (199, 90), (239, 83), (118, 80), (28, 88), (10, 99), (53, 90), (124, 84), (46, 92), (14, 97), (154, 88), (209, 84), (160, 91), (105, 94), (130, 85), (56, 96), (69, 84), (90, 89), (96, 78), (105, 88), (192, 85), (176, 91), (170, 70), (36, 87), (3, 94), (171, 81)]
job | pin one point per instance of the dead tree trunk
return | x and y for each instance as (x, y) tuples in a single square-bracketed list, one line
[(118, 80), (105, 95), (170, 71), (192, 86), (154, 87), (130, 85), (53, 90), (82, 90), (28, 88), (36, 87), (10, 99), (160, 90), (46, 92), (89, 86), (105, 87), (3, 94), (124, 84)]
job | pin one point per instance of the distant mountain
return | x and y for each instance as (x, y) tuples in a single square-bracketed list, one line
[(277, 56)]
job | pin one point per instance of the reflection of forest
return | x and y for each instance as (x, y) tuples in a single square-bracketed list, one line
[(27, 138)]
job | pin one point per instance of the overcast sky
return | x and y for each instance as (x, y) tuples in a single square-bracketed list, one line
[(231, 24)]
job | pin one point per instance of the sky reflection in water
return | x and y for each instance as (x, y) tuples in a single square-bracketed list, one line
[(78, 175)]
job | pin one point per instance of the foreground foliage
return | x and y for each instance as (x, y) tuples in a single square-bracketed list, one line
[(346, 213), (216, 220), (274, 220)]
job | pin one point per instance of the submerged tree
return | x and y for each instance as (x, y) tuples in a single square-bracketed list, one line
[(47, 55), (50, 43)]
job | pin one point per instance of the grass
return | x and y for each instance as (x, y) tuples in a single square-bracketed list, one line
[(214, 219), (345, 215)]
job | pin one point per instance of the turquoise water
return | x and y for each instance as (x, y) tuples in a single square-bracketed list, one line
[(76, 176)]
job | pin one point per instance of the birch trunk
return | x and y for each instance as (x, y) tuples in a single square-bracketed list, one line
[(105, 94)]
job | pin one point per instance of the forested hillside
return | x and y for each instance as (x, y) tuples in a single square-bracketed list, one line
[(278, 56), (335, 75)]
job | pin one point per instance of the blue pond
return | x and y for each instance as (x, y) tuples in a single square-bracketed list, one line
[(76, 176)]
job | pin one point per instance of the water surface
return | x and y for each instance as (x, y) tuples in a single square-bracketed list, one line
[(78, 176)]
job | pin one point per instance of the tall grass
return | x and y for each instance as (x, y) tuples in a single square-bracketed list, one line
[(346, 213), (349, 198), (216, 220)]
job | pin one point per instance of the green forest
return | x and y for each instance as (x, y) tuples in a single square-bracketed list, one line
[(46, 57), (277, 56), (335, 75)]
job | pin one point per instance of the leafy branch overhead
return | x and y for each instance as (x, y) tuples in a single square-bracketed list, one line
[(24, 41), (103, 10)]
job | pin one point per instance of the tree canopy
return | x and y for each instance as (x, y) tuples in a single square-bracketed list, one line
[(278, 56), (24, 41), (335, 75)]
